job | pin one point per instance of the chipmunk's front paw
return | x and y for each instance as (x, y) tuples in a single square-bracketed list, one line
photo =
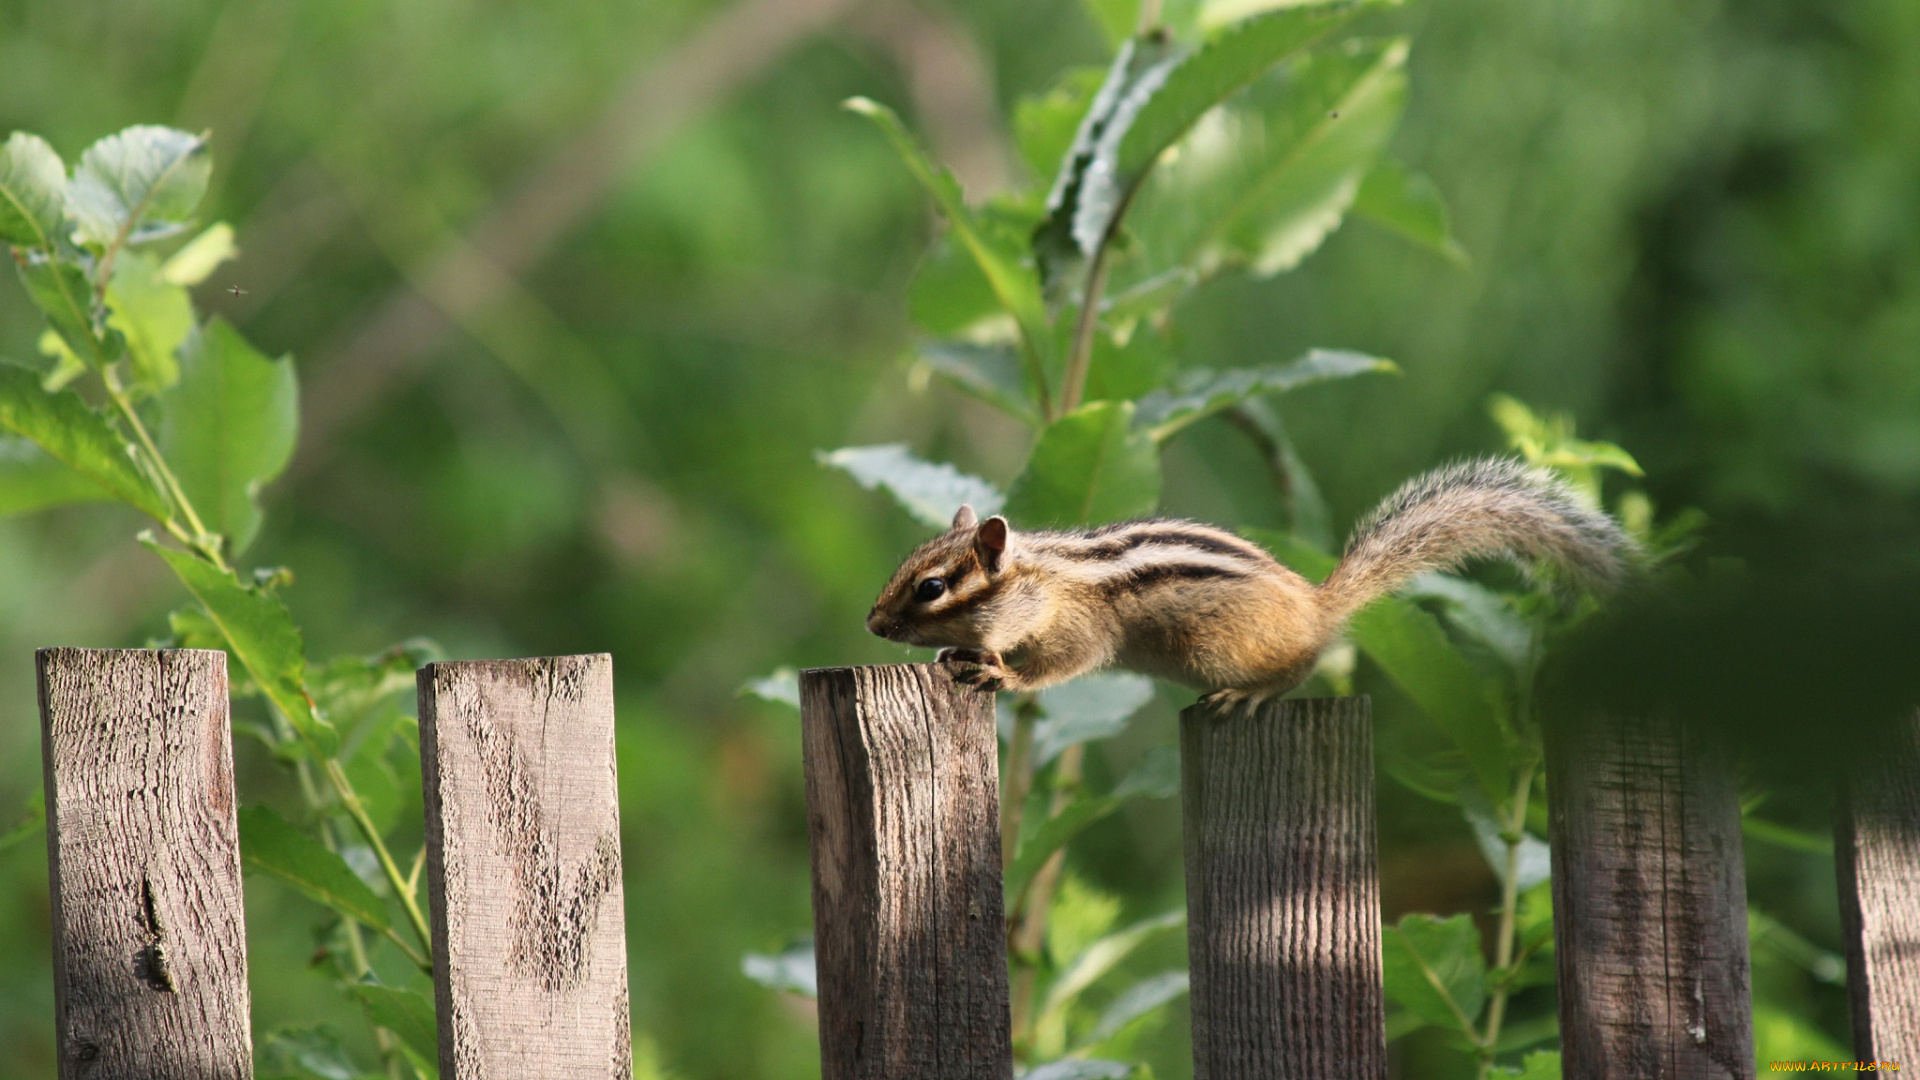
[(985, 670), (1234, 701)]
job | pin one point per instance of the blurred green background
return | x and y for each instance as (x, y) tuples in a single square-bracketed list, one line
[(577, 288)]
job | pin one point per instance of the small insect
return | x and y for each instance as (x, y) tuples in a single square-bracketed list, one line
[(236, 290)]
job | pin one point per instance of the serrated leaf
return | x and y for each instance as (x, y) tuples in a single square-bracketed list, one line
[(930, 491), (1408, 203), (1089, 466), (269, 843), (140, 184), (228, 429), (1079, 1069), (1060, 247), (794, 970), (72, 433), (1198, 392), (1012, 282), (63, 293), (403, 1012), (31, 480), (989, 372), (1265, 181), (261, 633), (154, 315), (1090, 707), (1433, 968), (33, 192), (193, 263), (1164, 102), (1137, 1001), (1102, 957)]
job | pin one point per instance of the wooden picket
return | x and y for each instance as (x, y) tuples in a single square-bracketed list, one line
[(903, 814), (1877, 849), (1650, 902), (1283, 893), (150, 953), (523, 868)]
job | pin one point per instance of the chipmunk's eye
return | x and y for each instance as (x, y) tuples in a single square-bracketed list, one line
[(930, 590)]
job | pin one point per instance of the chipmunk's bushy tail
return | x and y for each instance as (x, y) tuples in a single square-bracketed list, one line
[(1493, 508)]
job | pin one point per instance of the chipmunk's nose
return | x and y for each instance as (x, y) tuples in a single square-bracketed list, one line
[(879, 625)]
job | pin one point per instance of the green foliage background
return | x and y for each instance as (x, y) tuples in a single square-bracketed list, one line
[(1691, 225)]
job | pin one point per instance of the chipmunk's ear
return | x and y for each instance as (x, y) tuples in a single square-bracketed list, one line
[(964, 519), (990, 542)]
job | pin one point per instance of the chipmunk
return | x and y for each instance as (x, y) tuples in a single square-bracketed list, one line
[(1209, 609)]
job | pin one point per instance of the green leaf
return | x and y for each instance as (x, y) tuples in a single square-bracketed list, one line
[(69, 431), (154, 315), (1550, 441), (794, 970), (193, 263), (1413, 650), (949, 295), (780, 686), (1090, 466), (268, 842), (1148, 299), (1545, 1064), (1079, 1069), (1157, 776), (1408, 203), (261, 633), (67, 366), (403, 1012), (931, 492), (312, 1052), (1012, 283), (1073, 230), (228, 428), (1266, 181), (61, 291), (30, 480), (33, 192), (1433, 968), (1198, 393), (1100, 958), (1116, 18), (1090, 707), (140, 184), (1482, 616), (1136, 1001), (988, 372), (1045, 125)]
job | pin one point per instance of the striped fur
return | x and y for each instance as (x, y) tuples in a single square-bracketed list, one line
[(1210, 609)]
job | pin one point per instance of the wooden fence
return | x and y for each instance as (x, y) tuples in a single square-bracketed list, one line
[(901, 764)]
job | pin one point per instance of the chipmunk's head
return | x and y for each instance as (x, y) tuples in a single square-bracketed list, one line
[(935, 597)]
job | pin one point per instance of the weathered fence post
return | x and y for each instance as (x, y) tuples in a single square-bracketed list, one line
[(1283, 898), (1877, 855), (1649, 899), (150, 954), (903, 814), (523, 868)]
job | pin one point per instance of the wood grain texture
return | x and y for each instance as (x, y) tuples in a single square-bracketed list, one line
[(1283, 896), (1877, 855), (1649, 898), (903, 814), (150, 955), (523, 868)]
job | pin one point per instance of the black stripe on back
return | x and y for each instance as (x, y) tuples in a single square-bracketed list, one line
[(1155, 531), (1146, 577)]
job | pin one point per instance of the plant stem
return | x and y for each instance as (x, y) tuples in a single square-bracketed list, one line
[(350, 801), (1030, 935), (174, 490), (1073, 383), (1018, 778), (1513, 834)]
